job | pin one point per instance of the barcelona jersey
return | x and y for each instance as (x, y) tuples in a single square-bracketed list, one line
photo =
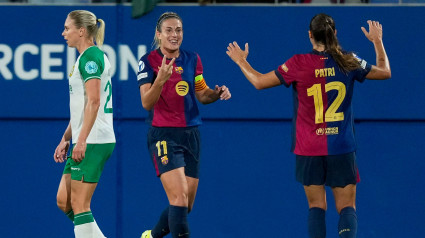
[(323, 121), (177, 106)]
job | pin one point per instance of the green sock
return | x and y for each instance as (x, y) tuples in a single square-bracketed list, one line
[(82, 218), (70, 215)]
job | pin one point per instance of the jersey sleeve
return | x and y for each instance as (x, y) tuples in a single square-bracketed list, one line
[(360, 73), (200, 83), (145, 73), (287, 72), (91, 64)]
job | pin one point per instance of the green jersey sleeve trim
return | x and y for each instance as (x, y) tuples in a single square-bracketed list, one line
[(93, 77)]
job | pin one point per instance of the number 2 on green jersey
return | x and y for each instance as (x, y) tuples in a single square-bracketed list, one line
[(109, 88)]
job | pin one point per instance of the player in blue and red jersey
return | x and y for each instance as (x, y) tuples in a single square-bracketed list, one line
[(323, 125), (170, 81)]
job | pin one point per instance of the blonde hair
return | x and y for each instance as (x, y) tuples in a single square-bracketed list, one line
[(166, 15), (88, 20)]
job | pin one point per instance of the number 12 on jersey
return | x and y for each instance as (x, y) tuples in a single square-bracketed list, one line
[(330, 115)]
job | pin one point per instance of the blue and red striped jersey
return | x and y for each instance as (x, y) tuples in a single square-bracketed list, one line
[(177, 106), (323, 122)]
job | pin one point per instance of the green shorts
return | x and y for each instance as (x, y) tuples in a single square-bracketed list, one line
[(90, 169)]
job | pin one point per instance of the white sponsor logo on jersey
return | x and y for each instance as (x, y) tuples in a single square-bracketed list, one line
[(142, 76)]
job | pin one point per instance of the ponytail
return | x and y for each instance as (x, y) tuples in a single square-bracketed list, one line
[(322, 27), (100, 34), (347, 62)]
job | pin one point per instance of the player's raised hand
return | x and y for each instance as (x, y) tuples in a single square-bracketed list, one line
[(375, 31), (223, 92), (236, 53), (165, 70)]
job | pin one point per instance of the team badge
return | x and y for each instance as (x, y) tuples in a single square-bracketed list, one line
[(285, 68), (141, 65), (91, 67), (179, 70), (182, 88), (164, 160)]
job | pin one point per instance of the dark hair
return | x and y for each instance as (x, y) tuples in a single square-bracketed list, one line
[(161, 19), (322, 27)]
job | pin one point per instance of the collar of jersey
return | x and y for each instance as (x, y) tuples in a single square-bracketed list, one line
[(160, 53), (315, 52)]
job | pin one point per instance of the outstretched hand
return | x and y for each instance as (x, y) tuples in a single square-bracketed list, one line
[(236, 53), (165, 70), (375, 31)]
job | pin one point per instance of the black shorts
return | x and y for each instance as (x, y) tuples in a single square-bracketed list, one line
[(331, 170), (174, 147)]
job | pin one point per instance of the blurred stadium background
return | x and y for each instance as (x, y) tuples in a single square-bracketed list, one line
[(247, 187)]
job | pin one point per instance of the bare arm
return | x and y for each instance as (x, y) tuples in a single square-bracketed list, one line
[(62, 149), (259, 80), (208, 95), (90, 113), (150, 93), (382, 69)]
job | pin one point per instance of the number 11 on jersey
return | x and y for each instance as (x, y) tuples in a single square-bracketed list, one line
[(164, 146)]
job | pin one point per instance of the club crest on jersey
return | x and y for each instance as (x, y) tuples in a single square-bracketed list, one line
[(164, 160), (91, 67), (284, 67), (182, 88), (179, 70)]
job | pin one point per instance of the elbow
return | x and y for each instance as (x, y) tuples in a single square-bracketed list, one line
[(259, 82), (146, 106), (388, 76), (259, 86)]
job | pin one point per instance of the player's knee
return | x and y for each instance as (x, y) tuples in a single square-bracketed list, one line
[(179, 199), (79, 206), (62, 203), (342, 205), (318, 205)]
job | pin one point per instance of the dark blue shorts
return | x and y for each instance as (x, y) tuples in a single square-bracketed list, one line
[(174, 147), (331, 170)]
